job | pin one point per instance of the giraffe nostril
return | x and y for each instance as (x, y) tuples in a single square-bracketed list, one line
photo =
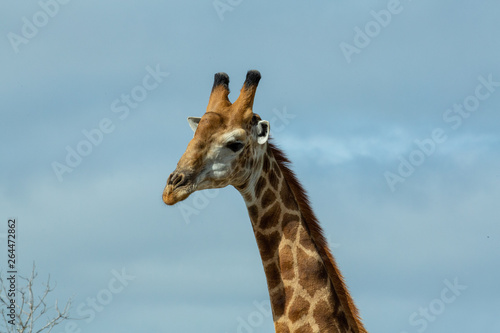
[(177, 179)]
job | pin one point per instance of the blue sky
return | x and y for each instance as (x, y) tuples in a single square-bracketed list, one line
[(396, 142)]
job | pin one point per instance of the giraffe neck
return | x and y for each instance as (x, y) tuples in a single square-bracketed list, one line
[(306, 290)]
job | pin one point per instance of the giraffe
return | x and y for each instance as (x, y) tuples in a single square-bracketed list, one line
[(231, 147)]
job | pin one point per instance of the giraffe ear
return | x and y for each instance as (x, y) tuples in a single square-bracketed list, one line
[(263, 129), (193, 122)]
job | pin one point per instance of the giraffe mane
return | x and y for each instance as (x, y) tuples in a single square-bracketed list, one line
[(316, 233)]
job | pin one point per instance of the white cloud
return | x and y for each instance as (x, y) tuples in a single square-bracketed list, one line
[(332, 150)]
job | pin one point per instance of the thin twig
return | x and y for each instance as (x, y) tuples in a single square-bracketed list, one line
[(31, 308)]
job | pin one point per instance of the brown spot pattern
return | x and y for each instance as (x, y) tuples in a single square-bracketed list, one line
[(323, 316), (281, 328), (272, 275), (312, 273), (306, 242), (253, 212), (261, 184), (287, 263), (305, 329), (278, 303), (290, 227), (298, 309), (289, 292), (267, 198), (287, 218), (265, 164), (268, 244), (273, 179), (271, 217), (287, 197)]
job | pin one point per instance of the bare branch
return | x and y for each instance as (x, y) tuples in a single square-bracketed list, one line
[(32, 309)]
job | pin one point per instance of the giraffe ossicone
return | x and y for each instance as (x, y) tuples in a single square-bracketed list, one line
[(231, 146)]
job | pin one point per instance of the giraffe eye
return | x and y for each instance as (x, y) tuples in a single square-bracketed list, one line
[(235, 146)]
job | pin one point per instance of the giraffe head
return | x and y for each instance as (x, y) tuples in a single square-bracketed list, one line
[(226, 141)]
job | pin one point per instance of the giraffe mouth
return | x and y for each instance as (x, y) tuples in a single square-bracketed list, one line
[(172, 195), (178, 188)]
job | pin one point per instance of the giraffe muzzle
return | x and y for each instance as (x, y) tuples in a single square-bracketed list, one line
[(178, 187)]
